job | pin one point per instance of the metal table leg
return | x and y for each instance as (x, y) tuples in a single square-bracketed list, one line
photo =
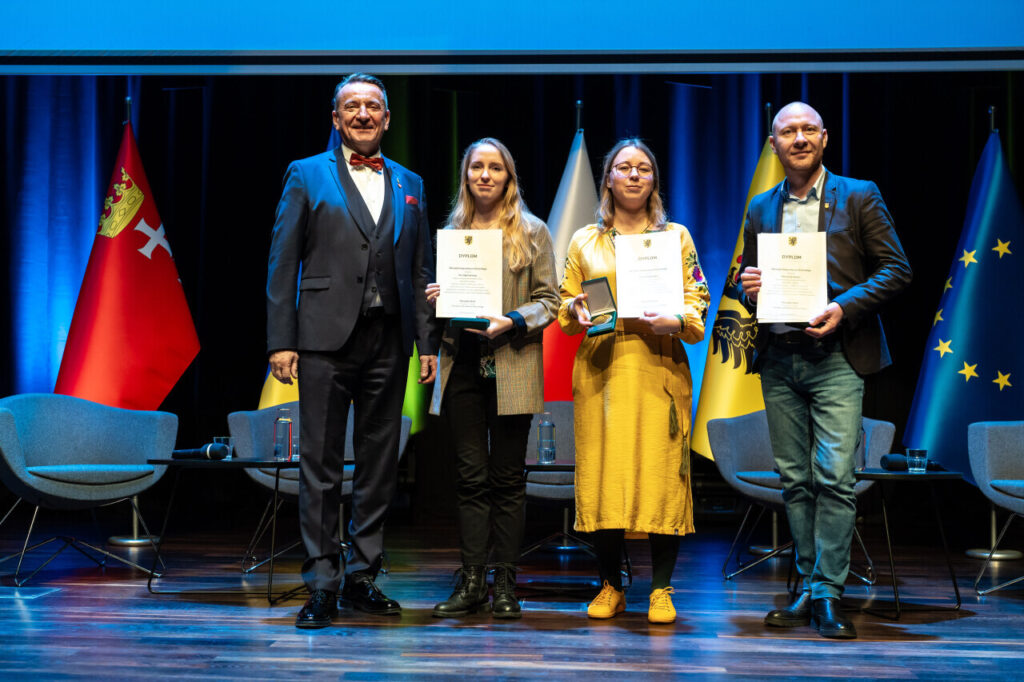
[(288, 594), (159, 540), (899, 609), (945, 546), (892, 565)]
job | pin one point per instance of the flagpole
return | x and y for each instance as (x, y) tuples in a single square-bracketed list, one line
[(133, 540), (766, 549), (979, 553), (574, 204)]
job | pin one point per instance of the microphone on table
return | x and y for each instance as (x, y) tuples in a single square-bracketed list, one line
[(208, 451), (898, 462)]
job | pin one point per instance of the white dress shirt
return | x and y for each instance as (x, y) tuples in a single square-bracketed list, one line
[(369, 182)]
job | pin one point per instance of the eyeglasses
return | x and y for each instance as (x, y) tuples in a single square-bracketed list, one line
[(642, 169)]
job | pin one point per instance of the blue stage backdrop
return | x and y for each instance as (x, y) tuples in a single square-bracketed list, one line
[(59, 155), (67, 27)]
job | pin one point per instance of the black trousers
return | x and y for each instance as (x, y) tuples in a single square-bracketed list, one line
[(490, 451), (369, 372)]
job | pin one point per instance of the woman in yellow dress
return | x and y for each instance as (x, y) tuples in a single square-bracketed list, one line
[(632, 390)]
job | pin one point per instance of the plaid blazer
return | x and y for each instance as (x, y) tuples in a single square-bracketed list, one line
[(518, 358)]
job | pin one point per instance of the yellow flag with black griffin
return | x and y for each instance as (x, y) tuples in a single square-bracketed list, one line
[(728, 389)]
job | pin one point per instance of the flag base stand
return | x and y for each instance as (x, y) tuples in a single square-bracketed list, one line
[(134, 540), (762, 550), (999, 554)]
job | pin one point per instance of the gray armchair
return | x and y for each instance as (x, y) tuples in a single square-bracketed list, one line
[(996, 451), (743, 454), (253, 431), (60, 452)]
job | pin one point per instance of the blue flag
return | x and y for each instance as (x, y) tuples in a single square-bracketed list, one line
[(973, 369)]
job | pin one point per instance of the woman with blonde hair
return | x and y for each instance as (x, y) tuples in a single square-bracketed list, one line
[(632, 390), (491, 382)]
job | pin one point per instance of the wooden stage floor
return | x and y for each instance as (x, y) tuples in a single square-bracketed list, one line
[(79, 621)]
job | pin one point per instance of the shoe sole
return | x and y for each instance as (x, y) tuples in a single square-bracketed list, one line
[(385, 612), (659, 621), (787, 623), (838, 635), (604, 617), (313, 624), (463, 612), (835, 634), (508, 615)]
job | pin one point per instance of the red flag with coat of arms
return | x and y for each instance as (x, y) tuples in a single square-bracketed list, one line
[(132, 335)]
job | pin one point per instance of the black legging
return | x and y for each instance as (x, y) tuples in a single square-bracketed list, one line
[(664, 550)]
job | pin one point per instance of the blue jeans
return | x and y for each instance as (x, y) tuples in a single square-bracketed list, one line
[(814, 420)]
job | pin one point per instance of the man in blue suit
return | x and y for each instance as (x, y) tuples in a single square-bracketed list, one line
[(356, 223), (811, 375)]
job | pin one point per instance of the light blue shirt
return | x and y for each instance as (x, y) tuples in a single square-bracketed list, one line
[(799, 215)]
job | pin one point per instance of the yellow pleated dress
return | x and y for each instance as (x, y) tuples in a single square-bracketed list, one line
[(632, 395)]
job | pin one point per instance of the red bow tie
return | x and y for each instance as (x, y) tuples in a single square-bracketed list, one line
[(376, 163)]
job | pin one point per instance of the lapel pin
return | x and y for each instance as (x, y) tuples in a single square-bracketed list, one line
[(826, 204)]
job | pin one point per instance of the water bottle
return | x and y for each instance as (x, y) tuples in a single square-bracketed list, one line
[(283, 435), (545, 440)]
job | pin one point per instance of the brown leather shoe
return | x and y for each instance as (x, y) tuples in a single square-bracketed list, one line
[(796, 614), (829, 620)]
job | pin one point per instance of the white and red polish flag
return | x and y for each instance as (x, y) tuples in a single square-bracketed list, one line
[(132, 335), (574, 207)]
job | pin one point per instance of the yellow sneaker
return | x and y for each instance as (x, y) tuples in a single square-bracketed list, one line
[(661, 609), (607, 603)]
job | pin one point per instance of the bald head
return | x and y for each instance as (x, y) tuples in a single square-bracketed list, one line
[(796, 109), (799, 139)]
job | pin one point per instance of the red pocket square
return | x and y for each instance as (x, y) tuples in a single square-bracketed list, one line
[(409, 199)]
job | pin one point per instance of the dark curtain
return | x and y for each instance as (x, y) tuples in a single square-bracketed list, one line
[(215, 150)]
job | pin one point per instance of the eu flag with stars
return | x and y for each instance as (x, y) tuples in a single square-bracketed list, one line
[(972, 370)]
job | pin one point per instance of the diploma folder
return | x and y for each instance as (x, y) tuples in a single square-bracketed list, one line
[(601, 304), (470, 322)]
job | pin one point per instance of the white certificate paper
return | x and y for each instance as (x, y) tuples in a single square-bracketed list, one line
[(649, 274), (469, 272), (794, 283)]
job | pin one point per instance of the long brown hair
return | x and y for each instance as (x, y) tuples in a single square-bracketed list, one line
[(518, 225), (655, 207)]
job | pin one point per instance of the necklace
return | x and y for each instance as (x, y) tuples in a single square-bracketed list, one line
[(613, 233)]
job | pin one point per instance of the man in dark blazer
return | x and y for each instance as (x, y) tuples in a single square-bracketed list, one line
[(356, 223), (811, 375)]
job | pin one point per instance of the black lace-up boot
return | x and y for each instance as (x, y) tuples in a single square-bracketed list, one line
[(505, 603), (470, 593)]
